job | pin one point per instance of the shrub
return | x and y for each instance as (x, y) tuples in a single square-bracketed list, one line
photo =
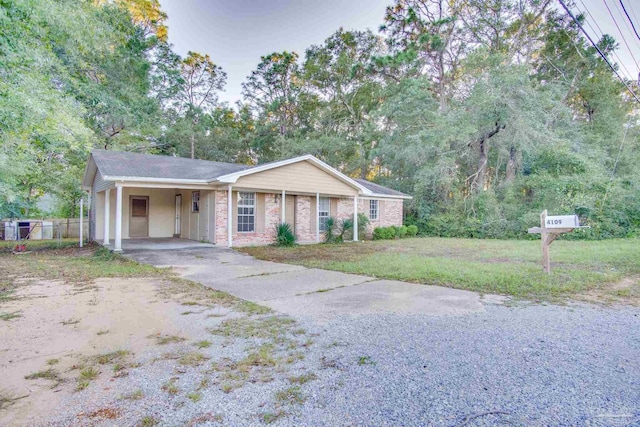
[(331, 233), (412, 230), (401, 231), (284, 235), (384, 233), (363, 222)]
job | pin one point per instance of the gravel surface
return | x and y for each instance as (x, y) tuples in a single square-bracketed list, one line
[(531, 365), (538, 365)]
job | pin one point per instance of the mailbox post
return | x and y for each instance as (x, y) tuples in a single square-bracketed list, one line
[(550, 228)]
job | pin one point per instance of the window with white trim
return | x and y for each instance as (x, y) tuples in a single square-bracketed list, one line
[(246, 212), (373, 210), (324, 209), (195, 201)]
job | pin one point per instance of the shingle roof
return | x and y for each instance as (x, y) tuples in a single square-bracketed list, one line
[(137, 165), (379, 189), (126, 164)]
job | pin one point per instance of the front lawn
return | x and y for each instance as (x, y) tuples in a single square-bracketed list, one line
[(609, 268)]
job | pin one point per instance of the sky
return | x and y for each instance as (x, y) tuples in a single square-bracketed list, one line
[(236, 33)]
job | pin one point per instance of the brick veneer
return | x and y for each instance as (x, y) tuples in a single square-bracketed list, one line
[(390, 213)]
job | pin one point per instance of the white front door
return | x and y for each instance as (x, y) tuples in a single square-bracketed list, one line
[(178, 214)]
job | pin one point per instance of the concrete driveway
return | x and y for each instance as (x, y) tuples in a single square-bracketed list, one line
[(308, 292)]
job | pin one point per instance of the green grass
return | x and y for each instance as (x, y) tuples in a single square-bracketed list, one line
[(292, 395), (74, 265), (33, 245), (511, 267), (8, 316)]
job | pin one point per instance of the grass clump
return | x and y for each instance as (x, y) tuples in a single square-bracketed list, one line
[(192, 359), (166, 339), (47, 374), (114, 356), (136, 395), (87, 375), (365, 360), (171, 387), (194, 396), (203, 344), (272, 327), (292, 396), (148, 421), (303, 379), (272, 417), (284, 235), (9, 316)]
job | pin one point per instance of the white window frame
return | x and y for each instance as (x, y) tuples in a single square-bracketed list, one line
[(246, 212), (324, 212), (374, 210), (195, 201)]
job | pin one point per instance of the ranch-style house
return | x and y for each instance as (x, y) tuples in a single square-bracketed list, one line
[(137, 196)]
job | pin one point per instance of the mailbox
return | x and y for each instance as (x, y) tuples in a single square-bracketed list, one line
[(562, 221)]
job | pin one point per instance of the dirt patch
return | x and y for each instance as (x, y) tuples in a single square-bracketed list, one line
[(623, 292), (60, 325)]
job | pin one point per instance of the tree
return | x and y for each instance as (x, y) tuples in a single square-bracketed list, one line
[(201, 80)]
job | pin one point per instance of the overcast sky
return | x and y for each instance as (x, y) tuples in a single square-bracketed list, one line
[(235, 33)]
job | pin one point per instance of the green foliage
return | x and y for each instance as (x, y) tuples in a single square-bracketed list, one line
[(412, 230), (284, 235), (384, 233)]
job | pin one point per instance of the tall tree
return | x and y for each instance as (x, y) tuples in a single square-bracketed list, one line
[(198, 94)]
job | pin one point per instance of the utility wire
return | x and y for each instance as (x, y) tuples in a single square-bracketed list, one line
[(629, 18), (599, 51), (621, 33), (600, 35), (631, 28)]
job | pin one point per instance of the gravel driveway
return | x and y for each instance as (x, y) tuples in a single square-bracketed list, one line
[(524, 365), (537, 365)]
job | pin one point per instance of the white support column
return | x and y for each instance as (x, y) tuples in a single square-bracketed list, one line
[(117, 244), (107, 212), (355, 219), (317, 217), (284, 207), (229, 216), (81, 221)]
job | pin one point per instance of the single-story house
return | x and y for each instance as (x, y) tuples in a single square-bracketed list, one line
[(142, 195)]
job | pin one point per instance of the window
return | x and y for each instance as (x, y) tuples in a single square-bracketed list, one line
[(246, 212), (373, 210), (324, 208), (195, 201)]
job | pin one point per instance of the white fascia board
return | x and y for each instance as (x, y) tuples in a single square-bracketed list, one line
[(156, 180), (385, 196), (233, 177)]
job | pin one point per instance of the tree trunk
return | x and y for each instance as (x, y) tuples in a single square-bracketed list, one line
[(482, 165), (511, 165), (193, 146)]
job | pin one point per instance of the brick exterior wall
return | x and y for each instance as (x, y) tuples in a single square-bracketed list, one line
[(390, 213)]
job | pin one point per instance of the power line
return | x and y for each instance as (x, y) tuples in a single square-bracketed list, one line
[(629, 18), (599, 51), (601, 35), (621, 34)]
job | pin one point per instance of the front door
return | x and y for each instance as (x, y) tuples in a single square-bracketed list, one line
[(139, 219), (178, 229), (290, 212)]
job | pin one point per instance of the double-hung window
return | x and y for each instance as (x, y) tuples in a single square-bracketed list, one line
[(246, 212), (195, 201), (373, 210), (324, 208)]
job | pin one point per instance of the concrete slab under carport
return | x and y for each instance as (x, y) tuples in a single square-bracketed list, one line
[(160, 244), (379, 296)]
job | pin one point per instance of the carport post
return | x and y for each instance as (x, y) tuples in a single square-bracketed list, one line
[(107, 211), (229, 216), (317, 217), (355, 219), (117, 244)]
